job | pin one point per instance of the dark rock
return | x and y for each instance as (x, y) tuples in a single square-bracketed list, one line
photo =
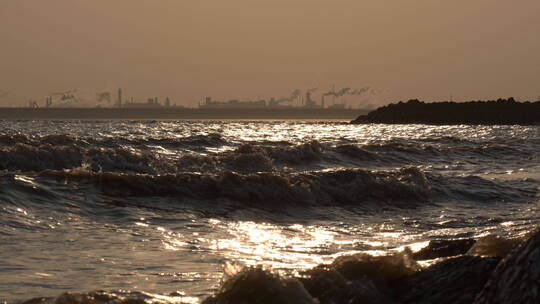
[(499, 112), (257, 286), (371, 277), (383, 268), (330, 287), (455, 280), (443, 248), (517, 278)]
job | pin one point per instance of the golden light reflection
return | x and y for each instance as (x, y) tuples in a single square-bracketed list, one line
[(171, 240), (290, 247), (27, 179), (293, 247), (181, 298)]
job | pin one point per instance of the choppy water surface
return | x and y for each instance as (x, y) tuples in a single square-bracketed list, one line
[(160, 207)]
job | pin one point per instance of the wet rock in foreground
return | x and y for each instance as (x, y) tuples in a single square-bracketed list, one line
[(257, 286), (329, 286), (517, 278), (455, 280)]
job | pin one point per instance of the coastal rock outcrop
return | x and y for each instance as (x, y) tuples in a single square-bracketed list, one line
[(493, 112)]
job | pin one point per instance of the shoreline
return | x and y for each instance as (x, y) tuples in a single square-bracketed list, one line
[(177, 114)]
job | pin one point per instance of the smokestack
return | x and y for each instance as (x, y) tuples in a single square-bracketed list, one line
[(309, 102), (334, 94), (322, 101), (119, 98)]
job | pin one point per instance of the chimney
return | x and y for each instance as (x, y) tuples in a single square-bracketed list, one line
[(119, 102)]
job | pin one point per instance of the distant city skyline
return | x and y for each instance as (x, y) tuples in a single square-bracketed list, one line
[(346, 97), (240, 49)]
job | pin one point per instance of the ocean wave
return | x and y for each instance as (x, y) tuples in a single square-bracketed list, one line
[(405, 187), (356, 152), (11, 139), (129, 159), (253, 172), (481, 190), (123, 159), (489, 150), (25, 157), (251, 158), (307, 152), (190, 154), (395, 152), (208, 140), (412, 148), (409, 148)]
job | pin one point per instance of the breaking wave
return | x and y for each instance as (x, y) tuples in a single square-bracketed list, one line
[(208, 140), (350, 186), (64, 152), (408, 187)]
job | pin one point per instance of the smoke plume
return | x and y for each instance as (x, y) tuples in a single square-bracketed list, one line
[(338, 93), (348, 91), (294, 94), (360, 91)]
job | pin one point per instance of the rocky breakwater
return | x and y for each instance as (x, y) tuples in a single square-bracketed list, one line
[(493, 112)]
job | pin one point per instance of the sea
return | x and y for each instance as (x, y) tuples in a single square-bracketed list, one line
[(161, 208)]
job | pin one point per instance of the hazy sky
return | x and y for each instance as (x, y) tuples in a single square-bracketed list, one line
[(188, 49)]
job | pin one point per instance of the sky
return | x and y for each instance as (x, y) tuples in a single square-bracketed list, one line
[(250, 49)]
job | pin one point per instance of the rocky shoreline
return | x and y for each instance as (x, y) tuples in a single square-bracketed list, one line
[(494, 112), (488, 270)]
